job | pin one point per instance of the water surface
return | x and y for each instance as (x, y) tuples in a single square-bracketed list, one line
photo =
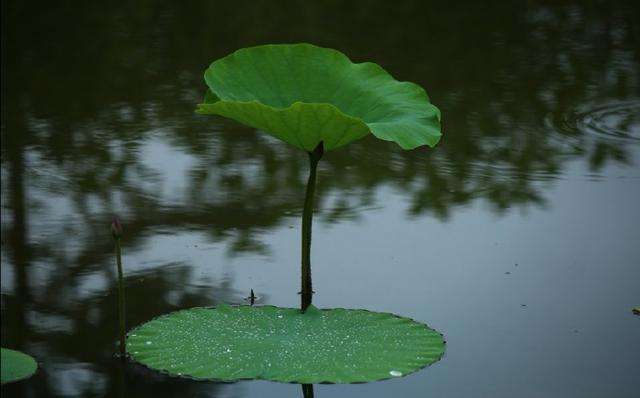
[(517, 237)]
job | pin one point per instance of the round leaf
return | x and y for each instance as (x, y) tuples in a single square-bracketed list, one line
[(282, 344), (304, 94), (16, 365)]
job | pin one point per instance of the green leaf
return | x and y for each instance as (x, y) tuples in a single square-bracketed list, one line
[(284, 344), (304, 94), (16, 366)]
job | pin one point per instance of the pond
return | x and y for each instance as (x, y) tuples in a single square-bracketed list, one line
[(517, 236)]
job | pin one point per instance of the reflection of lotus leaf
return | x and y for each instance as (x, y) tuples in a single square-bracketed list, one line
[(16, 366), (283, 344), (303, 94)]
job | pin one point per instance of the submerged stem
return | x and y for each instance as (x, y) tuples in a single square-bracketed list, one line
[(121, 302), (307, 391), (307, 219)]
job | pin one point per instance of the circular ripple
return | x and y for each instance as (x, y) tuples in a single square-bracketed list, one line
[(618, 120), (282, 344)]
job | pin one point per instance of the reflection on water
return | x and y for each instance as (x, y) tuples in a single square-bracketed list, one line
[(307, 390), (97, 118)]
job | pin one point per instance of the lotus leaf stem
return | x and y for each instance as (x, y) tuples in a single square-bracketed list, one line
[(307, 219)]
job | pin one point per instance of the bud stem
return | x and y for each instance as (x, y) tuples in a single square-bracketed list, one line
[(121, 299)]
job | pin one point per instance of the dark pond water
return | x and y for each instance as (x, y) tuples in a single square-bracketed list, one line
[(518, 237)]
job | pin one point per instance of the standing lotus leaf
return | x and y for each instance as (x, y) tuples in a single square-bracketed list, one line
[(304, 95), (318, 100)]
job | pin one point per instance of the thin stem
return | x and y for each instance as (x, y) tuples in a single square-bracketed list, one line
[(121, 391), (121, 300), (307, 219)]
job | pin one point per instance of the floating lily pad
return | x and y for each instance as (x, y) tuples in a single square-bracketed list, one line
[(304, 95), (16, 366), (283, 344)]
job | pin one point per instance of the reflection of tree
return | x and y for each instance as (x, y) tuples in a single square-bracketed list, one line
[(83, 332), (86, 89), (92, 331), (89, 111)]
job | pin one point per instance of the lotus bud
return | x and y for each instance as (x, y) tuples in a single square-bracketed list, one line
[(116, 228)]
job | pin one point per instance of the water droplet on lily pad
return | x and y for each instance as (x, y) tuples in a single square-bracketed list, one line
[(395, 373)]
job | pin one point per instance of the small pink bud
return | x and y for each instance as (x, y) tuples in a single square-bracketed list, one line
[(116, 228)]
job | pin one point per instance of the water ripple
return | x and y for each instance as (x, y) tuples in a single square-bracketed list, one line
[(618, 120)]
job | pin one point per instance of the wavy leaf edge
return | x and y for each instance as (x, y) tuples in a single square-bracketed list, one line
[(211, 100)]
